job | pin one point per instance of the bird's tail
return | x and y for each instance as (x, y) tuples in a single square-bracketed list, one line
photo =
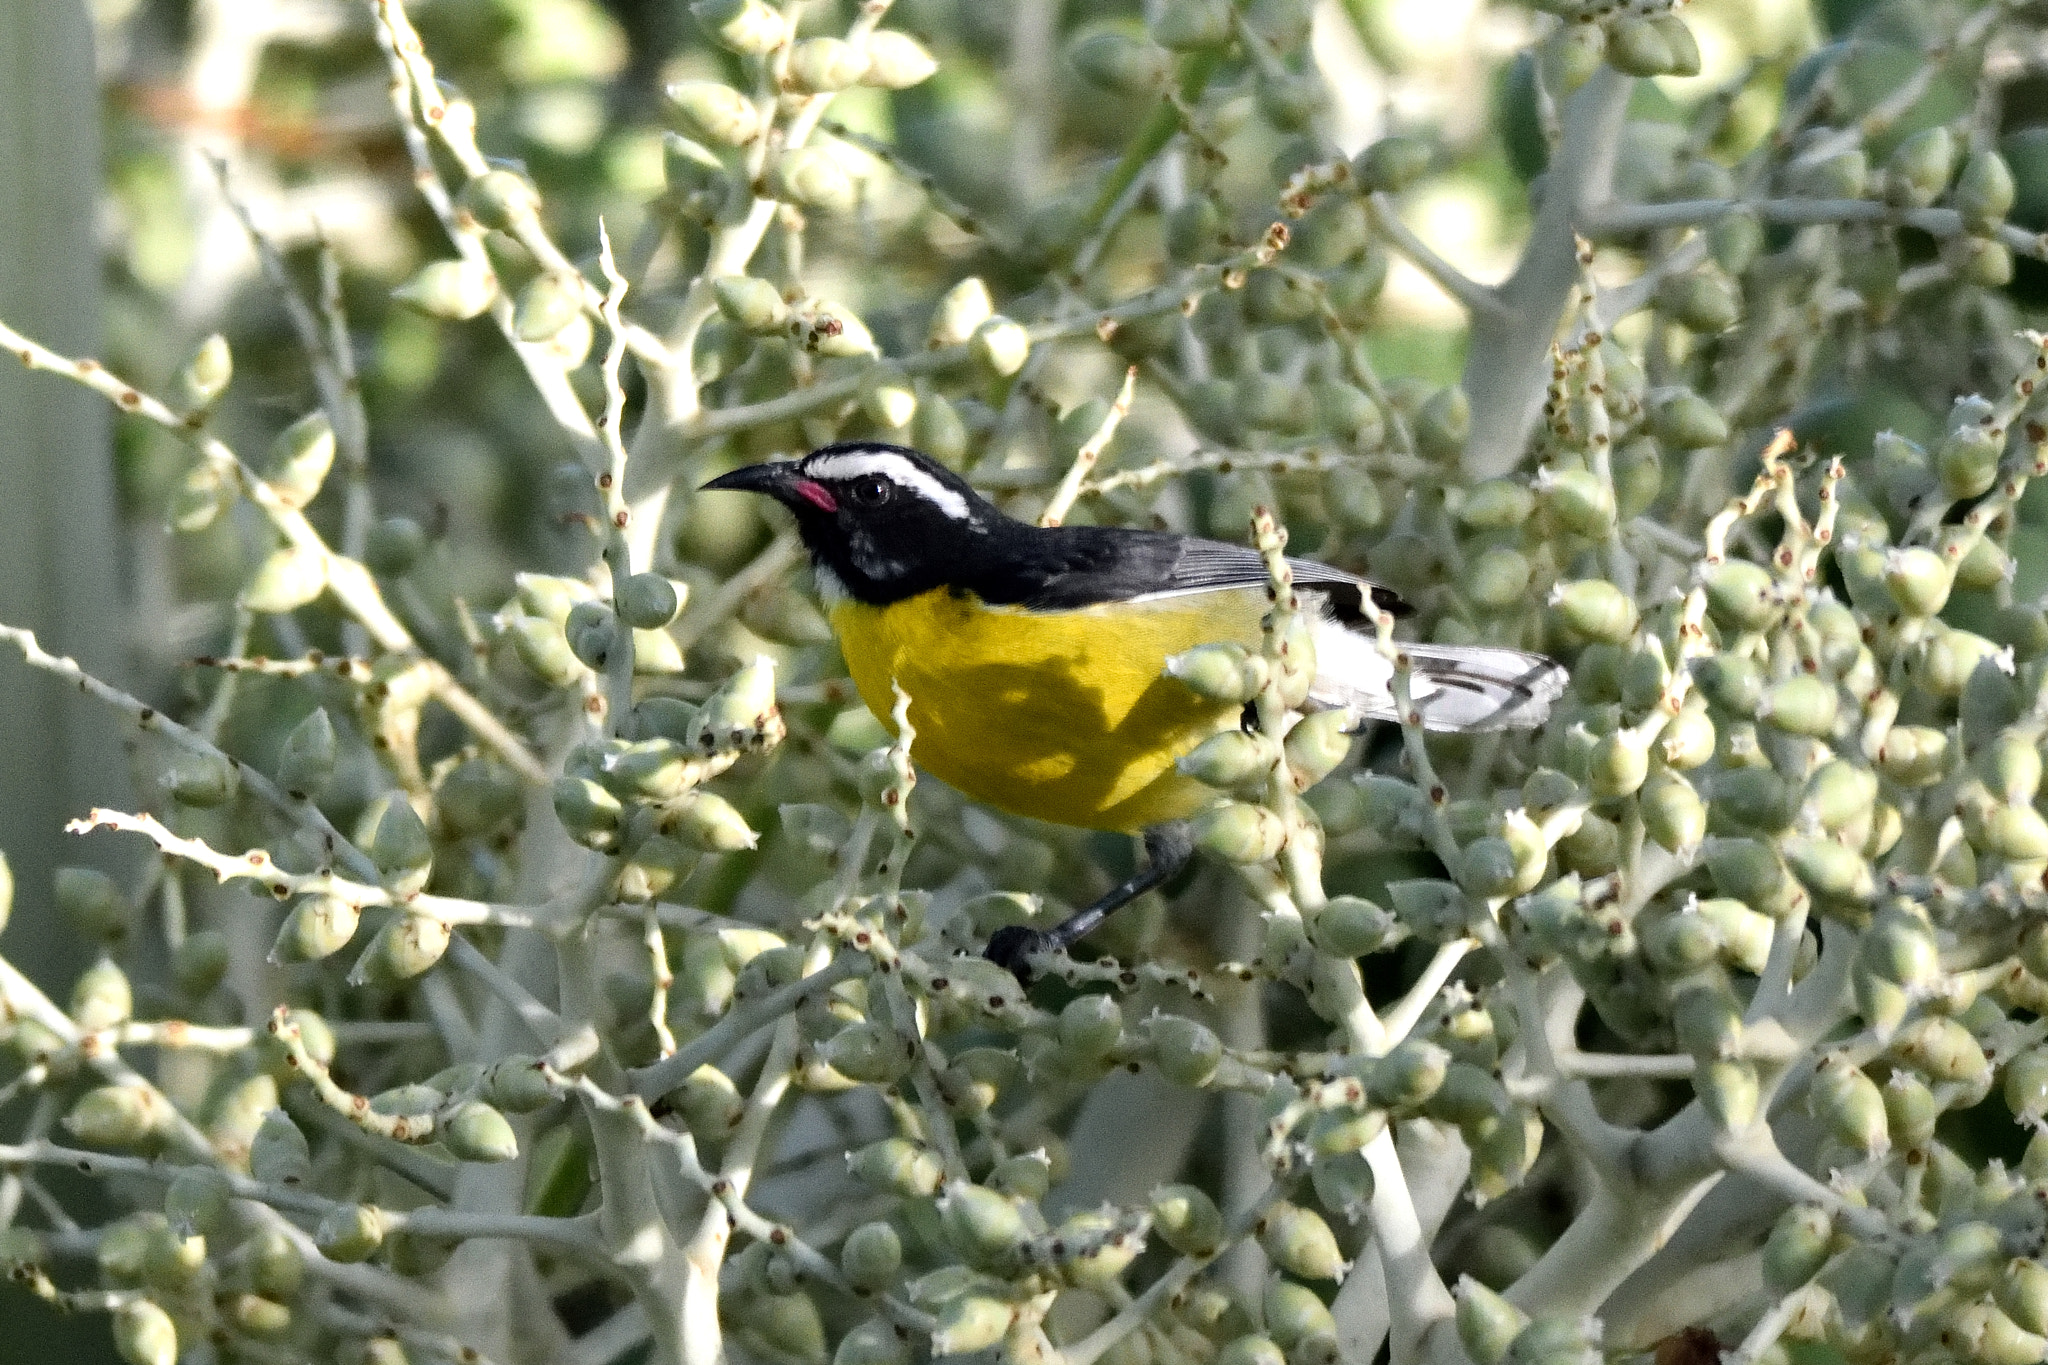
[(1455, 687)]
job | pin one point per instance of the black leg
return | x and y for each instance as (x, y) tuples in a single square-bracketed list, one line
[(1167, 850)]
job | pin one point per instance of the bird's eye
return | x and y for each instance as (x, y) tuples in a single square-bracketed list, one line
[(869, 491)]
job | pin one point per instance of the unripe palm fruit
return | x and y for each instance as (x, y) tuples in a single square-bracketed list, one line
[(1186, 1050), (752, 304), (899, 1165), (278, 1154), (1913, 755), (2025, 1084), (961, 312), (1350, 926), (871, 1257), (1595, 609), (2015, 833), (1580, 501), (1801, 705), (122, 1117), (1192, 25), (1941, 1050), (1849, 1106), (713, 113), (299, 459), (2022, 1291), (1618, 765), (400, 845), (1797, 1247), (897, 61), (1919, 579), (1231, 758), (1637, 47), (813, 177), (982, 1225), (588, 812), (318, 925), (144, 1333), (1729, 1091), (1239, 833), (1677, 35), (874, 1342), (1497, 505), (1985, 191), (1919, 168), (1983, 261), (305, 762), (287, 579), (545, 307), (1119, 62), (1498, 579), (1745, 934), (648, 601), (970, 1323), (1001, 345), (1444, 423), (1187, 1220), (869, 1052), (823, 65), (1681, 942), (1900, 948), (1683, 420), (1673, 813), (748, 27), (478, 1132), (350, 1232), (1689, 740), (1294, 1312), (205, 374), (101, 997), (1301, 1243), (1742, 596), (93, 902), (1392, 164), (1704, 301), (200, 963), (402, 949), (1316, 745), (452, 290), (1253, 1348), (1735, 239), (1408, 1076), (1967, 460), (1090, 1026), (1487, 1323)]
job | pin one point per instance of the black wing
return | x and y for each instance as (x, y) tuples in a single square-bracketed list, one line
[(1064, 568)]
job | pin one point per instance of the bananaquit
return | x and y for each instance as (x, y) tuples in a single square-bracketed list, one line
[(1035, 657)]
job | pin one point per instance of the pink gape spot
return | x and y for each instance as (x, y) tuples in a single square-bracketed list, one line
[(816, 494)]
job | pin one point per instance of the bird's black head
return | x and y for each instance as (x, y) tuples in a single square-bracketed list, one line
[(886, 521)]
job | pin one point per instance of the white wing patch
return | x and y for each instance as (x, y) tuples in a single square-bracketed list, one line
[(852, 464), (1455, 687)]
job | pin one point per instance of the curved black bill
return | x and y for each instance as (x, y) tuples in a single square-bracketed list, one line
[(773, 478)]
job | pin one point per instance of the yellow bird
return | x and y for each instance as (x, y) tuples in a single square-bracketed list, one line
[(1035, 658)]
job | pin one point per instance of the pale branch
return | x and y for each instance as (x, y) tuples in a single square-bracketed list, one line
[(257, 865), (1478, 299), (1070, 486)]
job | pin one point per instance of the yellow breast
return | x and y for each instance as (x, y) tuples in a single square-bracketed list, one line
[(1064, 716)]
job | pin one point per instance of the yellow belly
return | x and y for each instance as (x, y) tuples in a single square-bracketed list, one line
[(1063, 716)]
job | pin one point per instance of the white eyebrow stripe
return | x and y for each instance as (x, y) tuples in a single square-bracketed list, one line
[(894, 468)]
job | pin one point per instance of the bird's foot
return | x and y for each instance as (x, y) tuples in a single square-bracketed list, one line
[(1013, 946)]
